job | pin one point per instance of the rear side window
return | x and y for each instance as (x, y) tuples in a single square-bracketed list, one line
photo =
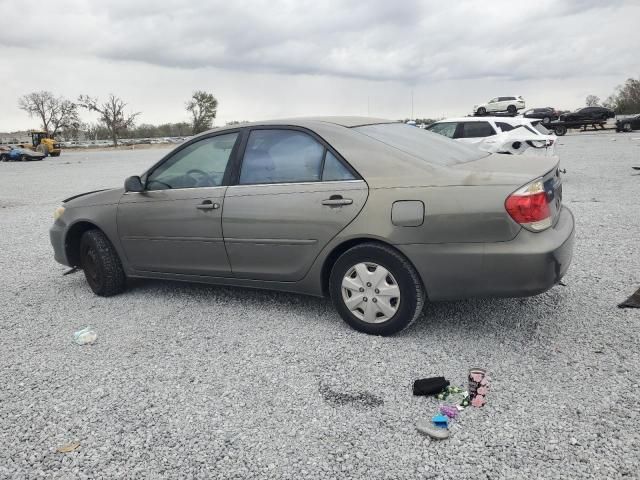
[(448, 129), (505, 127), (477, 130), (539, 127), (422, 144), (334, 170), (280, 156)]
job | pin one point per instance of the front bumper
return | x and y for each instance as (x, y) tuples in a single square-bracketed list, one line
[(56, 236), (529, 264)]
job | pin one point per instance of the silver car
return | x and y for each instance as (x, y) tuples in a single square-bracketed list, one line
[(379, 215)]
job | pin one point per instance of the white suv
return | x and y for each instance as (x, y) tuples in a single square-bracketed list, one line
[(500, 104), (498, 134)]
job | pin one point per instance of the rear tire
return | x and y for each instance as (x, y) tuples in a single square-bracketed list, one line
[(24, 158), (546, 120), (386, 291), (627, 127), (4, 158), (101, 264), (512, 109), (560, 130)]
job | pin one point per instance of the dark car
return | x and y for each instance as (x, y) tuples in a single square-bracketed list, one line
[(14, 154), (628, 124), (546, 114), (588, 113)]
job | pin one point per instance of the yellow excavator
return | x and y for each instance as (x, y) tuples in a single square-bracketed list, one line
[(41, 141)]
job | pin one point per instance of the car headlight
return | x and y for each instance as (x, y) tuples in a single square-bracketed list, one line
[(57, 213)]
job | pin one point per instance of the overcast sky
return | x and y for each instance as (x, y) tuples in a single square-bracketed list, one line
[(273, 58)]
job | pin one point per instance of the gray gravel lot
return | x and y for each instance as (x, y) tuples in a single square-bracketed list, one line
[(209, 382)]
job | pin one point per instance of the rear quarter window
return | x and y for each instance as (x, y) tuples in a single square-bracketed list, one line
[(423, 144), (477, 130)]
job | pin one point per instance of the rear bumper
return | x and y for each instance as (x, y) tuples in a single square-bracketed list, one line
[(529, 264)]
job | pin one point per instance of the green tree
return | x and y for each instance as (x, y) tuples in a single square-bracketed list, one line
[(55, 113), (203, 107)]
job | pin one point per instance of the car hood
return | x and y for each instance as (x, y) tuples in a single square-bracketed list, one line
[(95, 197)]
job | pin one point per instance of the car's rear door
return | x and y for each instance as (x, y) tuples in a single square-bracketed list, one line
[(293, 194), (175, 224)]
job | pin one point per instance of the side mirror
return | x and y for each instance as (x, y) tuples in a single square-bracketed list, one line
[(133, 184)]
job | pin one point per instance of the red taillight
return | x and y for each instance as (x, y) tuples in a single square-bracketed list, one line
[(529, 206)]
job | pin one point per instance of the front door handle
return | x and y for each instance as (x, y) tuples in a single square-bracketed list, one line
[(336, 201), (208, 205)]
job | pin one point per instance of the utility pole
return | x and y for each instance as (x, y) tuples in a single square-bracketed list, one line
[(412, 104)]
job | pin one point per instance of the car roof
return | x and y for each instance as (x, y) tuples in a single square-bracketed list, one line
[(310, 122), (472, 119)]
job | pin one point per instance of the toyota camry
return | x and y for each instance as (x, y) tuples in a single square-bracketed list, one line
[(378, 215)]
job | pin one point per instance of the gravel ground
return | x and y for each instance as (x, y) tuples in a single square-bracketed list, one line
[(201, 381)]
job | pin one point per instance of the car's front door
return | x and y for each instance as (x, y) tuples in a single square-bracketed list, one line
[(293, 195), (175, 224)]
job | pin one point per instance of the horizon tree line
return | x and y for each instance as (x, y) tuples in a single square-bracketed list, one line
[(60, 116)]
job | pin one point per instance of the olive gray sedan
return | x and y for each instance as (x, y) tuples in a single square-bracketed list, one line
[(379, 215)]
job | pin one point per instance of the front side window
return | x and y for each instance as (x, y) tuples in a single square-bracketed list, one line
[(477, 129), (201, 164), (448, 129), (281, 156)]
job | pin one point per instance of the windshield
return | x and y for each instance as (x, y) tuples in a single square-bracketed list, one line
[(422, 144)]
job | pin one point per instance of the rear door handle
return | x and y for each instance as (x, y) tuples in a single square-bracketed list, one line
[(208, 205), (337, 201)]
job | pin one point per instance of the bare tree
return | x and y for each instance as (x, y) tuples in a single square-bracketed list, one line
[(592, 101), (112, 114), (203, 107), (55, 113)]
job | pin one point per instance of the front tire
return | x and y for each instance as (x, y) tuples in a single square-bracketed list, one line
[(512, 109), (376, 290), (24, 158), (546, 120), (481, 111), (101, 264), (627, 127)]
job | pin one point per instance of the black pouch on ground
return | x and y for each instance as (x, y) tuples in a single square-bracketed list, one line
[(632, 302), (430, 386)]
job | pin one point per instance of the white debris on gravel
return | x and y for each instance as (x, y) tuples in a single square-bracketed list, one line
[(210, 382)]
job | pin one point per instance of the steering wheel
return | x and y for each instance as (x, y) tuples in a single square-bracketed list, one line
[(206, 176)]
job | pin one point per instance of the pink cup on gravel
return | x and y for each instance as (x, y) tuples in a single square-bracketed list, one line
[(478, 386)]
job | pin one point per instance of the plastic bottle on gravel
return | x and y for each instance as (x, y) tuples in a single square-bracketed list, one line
[(86, 336)]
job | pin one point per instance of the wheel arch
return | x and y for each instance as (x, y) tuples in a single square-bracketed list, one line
[(342, 247), (72, 240)]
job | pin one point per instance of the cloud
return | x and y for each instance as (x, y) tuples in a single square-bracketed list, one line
[(412, 41)]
